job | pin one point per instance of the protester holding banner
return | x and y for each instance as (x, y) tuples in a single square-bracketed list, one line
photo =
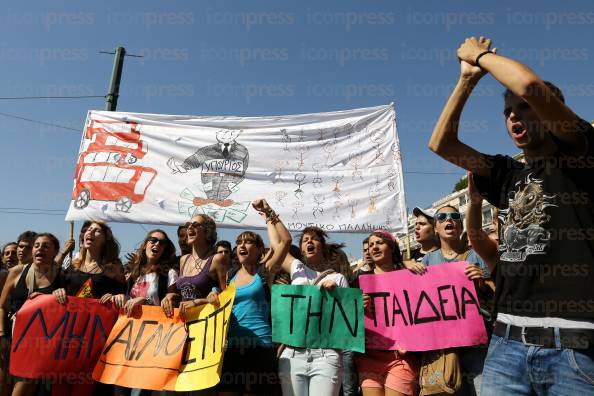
[(306, 371), (384, 371), (250, 364), (151, 275), (42, 276), (202, 272), (448, 228), (98, 272)]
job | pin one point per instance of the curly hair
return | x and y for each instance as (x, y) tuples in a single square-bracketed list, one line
[(140, 260), (109, 257), (210, 230)]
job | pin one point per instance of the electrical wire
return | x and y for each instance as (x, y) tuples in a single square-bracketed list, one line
[(39, 122), (51, 97)]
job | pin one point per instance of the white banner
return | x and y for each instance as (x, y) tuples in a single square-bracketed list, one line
[(340, 171)]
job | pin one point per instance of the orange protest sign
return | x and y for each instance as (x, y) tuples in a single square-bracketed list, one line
[(143, 351), (154, 352)]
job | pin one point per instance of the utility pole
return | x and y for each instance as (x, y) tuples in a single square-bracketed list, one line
[(111, 100)]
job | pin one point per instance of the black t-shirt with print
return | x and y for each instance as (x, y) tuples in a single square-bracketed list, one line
[(546, 226)]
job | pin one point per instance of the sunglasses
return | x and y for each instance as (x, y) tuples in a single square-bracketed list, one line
[(195, 225), (441, 217), (155, 240)]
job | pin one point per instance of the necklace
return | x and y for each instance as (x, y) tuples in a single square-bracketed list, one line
[(198, 263), (443, 253)]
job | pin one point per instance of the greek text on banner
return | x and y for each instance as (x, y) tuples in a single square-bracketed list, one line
[(307, 316), (412, 312), (155, 352)]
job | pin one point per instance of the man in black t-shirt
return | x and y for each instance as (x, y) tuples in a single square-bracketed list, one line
[(543, 340)]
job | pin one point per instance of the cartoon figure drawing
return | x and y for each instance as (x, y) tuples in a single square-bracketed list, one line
[(522, 230), (223, 166), (107, 168)]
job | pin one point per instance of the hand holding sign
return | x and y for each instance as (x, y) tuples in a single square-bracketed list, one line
[(418, 313)]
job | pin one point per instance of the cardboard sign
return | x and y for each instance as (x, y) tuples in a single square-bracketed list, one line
[(436, 310), (56, 342), (154, 352), (306, 316), (144, 351), (207, 332)]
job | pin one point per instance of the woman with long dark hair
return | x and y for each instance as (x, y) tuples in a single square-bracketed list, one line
[(386, 372), (98, 271), (151, 277), (250, 366), (305, 371)]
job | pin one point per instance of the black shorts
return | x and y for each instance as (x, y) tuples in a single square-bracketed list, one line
[(250, 370)]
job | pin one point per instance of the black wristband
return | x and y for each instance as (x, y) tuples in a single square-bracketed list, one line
[(478, 58)]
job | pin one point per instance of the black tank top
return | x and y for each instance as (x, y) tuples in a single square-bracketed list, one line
[(20, 293), (95, 285)]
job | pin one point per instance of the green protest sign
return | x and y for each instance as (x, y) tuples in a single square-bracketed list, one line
[(305, 316)]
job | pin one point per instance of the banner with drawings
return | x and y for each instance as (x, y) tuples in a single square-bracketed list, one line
[(340, 170)]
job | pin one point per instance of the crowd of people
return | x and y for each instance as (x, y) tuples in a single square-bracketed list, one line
[(539, 343)]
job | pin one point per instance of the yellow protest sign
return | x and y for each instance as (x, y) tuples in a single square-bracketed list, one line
[(207, 332)]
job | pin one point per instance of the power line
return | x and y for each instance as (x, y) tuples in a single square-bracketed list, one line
[(50, 97), (39, 122)]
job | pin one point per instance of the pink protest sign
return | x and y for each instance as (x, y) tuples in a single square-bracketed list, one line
[(436, 310)]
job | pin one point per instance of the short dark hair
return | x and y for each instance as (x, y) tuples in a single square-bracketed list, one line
[(555, 90), (51, 237), (180, 228), (317, 231), (7, 245), (223, 243), (366, 240), (27, 236)]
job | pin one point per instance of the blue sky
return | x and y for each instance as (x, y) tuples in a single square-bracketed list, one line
[(264, 58)]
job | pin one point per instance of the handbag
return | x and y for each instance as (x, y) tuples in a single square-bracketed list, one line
[(440, 372)]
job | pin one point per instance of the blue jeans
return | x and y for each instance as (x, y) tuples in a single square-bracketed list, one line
[(315, 372), (514, 368)]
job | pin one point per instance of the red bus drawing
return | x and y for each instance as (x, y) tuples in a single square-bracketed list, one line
[(105, 170)]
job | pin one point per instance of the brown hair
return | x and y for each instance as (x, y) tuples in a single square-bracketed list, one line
[(391, 242), (250, 235), (210, 229), (110, 252), (140, 259)]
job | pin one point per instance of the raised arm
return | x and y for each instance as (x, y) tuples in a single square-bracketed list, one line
[(484, 246), (444, 140), (557, 118), (278, 235)]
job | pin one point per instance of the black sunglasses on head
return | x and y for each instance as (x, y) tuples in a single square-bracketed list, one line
[(441, 217)]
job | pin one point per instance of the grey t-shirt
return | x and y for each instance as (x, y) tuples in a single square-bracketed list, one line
[(436, 257)]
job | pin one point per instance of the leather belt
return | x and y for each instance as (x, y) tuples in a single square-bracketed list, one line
[(545, 336)]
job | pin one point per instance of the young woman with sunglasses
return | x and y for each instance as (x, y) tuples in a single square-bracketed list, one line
[(385, 372), (250, 364), (151, 277), (202, 272), (448, 228)]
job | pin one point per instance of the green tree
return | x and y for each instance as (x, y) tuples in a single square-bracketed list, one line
[(461, 184)]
